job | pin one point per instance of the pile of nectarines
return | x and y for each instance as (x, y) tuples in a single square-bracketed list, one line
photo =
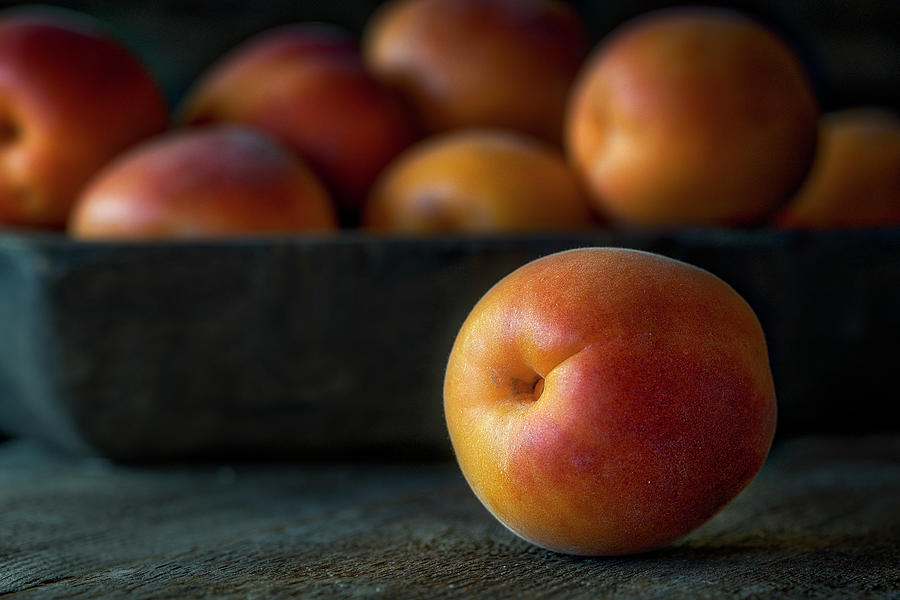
[(452, 116)]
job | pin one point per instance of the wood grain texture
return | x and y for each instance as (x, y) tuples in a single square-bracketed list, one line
[(262, 347), (821, 521)]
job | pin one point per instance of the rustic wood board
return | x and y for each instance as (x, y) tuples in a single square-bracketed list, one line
[(821, 521), (263, 347)]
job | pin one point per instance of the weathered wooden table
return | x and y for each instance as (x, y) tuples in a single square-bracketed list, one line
[(822, 520)]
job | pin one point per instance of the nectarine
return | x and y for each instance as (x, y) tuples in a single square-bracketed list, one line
[(307, 86), (692, 117), (855, 179), (71, 98), (213, 181), (478, 181), (480, 63), (608, 401)]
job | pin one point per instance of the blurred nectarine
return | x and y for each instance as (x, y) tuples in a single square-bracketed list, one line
[(206, 182), (480, 63), (307, 85), (692, 117), (855, 179), (478, 181), (71, 98)]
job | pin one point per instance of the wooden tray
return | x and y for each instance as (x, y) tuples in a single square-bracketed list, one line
[(336, 346)]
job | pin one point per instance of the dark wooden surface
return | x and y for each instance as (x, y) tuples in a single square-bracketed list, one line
[(264, 346), (821, 521)]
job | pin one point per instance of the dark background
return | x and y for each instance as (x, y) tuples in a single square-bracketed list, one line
[(851, 48)]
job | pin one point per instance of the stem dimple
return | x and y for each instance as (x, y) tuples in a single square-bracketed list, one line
[(526, 391)]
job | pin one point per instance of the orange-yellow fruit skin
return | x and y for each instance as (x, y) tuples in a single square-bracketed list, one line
[(480, 63), (478, 181), (307, 86), (656, 404), (692, 117), (855, 179), (209, 182), (71, 98)]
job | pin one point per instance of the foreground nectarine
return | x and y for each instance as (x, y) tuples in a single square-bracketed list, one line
[(855, 179), (478, 181), (480, 63), (307, 86), (71, 98), (205, 182), (608, 401), (692, 117)]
